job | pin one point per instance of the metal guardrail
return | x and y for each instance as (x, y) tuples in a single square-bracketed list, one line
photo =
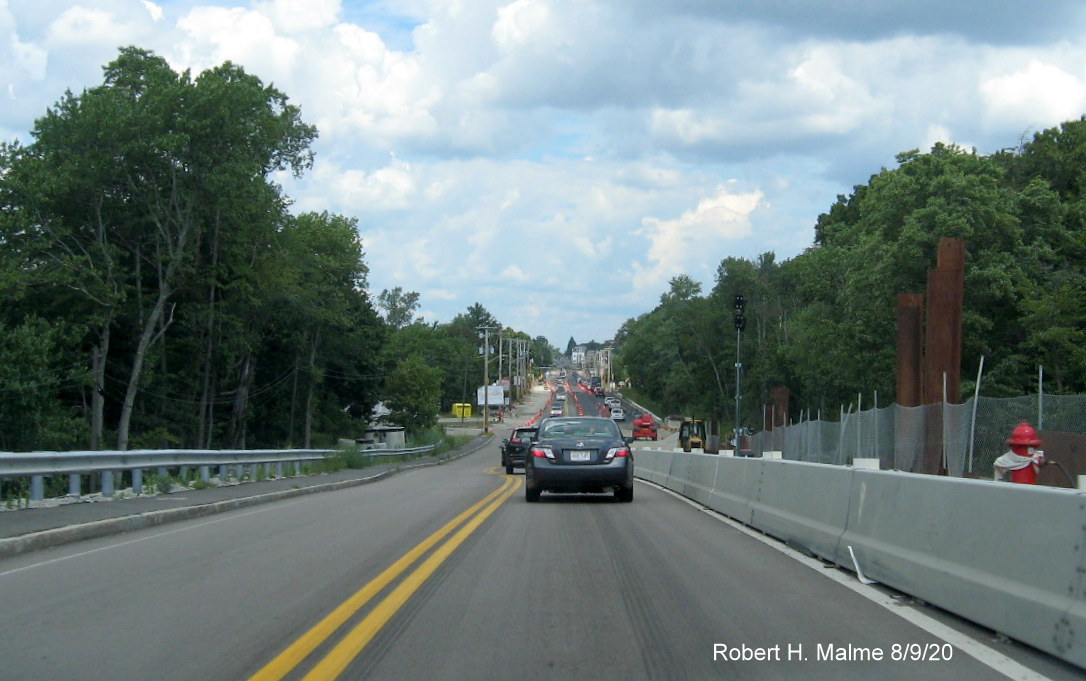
[(40, 465)]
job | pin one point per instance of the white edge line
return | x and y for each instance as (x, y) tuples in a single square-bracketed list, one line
[(966, 644), (136, 540)]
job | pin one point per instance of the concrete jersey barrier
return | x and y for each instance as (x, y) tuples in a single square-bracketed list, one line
[(1008, 557)]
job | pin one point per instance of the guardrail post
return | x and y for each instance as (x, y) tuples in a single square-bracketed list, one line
[(205, 473), (137, 480), (278, 469), (74, 485), (107, 483), (37, 487)]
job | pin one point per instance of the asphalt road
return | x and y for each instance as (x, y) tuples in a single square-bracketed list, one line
[(575, 587)]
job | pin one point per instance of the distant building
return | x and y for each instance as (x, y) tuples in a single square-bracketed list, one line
[(577, 356)]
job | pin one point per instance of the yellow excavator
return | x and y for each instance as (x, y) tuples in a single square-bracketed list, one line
[(692, 434)]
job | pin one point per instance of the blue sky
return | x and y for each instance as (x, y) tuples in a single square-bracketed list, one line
[(559, 161)]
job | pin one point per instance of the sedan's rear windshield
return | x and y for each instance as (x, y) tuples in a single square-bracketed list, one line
[(580, 428)]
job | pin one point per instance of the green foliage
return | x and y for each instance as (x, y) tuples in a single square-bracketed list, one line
[(178, 302), (824, 323), (399, 306), (157, 290), (413, 390), (163, 483), (32, 376)]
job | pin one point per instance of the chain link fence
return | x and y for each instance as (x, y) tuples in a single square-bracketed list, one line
[(969, 436)]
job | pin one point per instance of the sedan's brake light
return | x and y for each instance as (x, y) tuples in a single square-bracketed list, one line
[(617, 451), (543, 453)]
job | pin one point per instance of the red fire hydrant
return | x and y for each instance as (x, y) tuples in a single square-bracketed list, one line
[(1024, 459)]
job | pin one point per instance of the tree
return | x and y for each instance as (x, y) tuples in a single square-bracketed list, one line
[(399, 307), (543, 352), (123, 181), (334, 329), (413, 390), (32, 378)]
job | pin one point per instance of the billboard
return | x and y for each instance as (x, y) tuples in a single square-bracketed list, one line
[(494, 396)]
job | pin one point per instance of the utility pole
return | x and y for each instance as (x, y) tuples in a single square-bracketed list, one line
[(501, 351), (740, 324), (486, 376)]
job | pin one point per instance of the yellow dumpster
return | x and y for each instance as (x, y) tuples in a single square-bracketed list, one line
[(462, 410)]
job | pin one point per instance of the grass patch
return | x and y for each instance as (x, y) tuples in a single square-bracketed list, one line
[(355, 458), (163, 483)]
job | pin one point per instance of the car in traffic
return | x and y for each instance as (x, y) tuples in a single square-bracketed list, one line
[(557, 409), (515, 447), (617, 414), (575, 454)]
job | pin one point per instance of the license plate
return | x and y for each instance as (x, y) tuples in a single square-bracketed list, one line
[(580, 455)]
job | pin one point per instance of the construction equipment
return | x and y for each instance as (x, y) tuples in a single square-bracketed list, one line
[(644, 427), (692, 434)]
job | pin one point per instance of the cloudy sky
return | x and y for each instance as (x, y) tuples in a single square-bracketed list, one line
[(559, 161)]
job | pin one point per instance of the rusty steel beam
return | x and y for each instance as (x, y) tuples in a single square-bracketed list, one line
[(781, 396), (942, 343), (943, 330), (910, 337)]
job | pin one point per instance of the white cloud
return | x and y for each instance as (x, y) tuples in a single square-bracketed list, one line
[(648, 175), (678, 243), (521, 23), (29, 58), (816, 96), (515, 274), (300, 16), (383, 189), (496, 150), (79, 25), (827, 99), (213, 35), (155, 11), (1034, 96)]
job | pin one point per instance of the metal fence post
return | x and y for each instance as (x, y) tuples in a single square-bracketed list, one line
[(1040, 398)]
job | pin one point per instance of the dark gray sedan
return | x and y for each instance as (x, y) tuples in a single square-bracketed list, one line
[(515, 447), (579, 454)]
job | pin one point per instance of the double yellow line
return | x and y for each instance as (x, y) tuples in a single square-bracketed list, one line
[(349, 647)]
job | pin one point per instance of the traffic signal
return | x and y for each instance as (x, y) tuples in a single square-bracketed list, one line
[(740, 318)]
